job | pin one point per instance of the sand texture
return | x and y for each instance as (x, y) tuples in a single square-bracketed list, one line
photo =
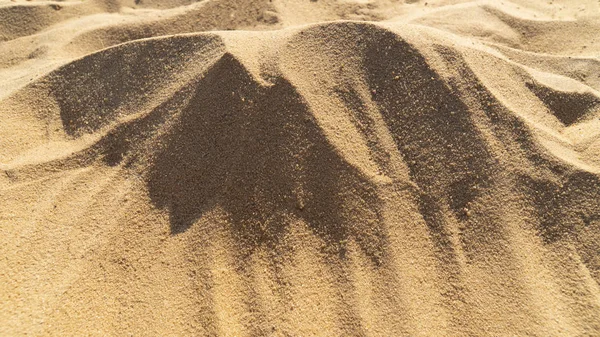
[(299, 168)]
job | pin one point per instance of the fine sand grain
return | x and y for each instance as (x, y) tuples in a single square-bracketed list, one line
[(299, 168)]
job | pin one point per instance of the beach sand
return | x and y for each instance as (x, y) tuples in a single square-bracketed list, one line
[(299, 168)]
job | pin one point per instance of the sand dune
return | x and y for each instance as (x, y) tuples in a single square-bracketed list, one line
[(300, 168)]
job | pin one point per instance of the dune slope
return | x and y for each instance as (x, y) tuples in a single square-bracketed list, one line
[(293, 168)]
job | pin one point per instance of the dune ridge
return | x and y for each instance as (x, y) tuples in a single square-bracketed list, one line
[(293, 168)]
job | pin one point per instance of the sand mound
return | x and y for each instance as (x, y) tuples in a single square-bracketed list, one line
[(404, 171)]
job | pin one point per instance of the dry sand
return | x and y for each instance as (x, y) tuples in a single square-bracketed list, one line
[(300, 168)]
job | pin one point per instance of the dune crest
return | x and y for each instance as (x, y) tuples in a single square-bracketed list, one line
[(299, 168)]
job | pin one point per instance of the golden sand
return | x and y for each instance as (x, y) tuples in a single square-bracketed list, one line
[(299, 168)]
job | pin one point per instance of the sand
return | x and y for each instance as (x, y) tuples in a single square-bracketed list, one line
[(299, 168)]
